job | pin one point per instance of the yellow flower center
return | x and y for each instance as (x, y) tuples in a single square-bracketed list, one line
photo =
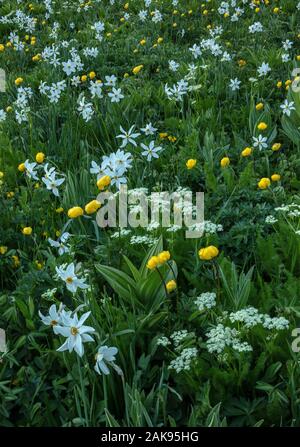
[(69, 280), (74, 330), (53, 323)]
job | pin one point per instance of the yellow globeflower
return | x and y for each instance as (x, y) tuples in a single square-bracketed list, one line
[(171, 285), (191, 163), (225, 162), (16, 261), (208, 253), (21, 167), (246, 152), (92, 75), (153, 263), (259, 106), (262, 126), (3, 250), (19, 81), (74, 212), (92, 207), (40, 157), (137, 69), (27, 231), (275, 177), (103, 182), (276, 146), (264, 183), (160, 40), (163, 257)]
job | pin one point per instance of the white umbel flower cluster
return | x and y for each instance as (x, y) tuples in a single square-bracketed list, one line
[(221, 337), (250, 317), (206, 301), (184, 360)]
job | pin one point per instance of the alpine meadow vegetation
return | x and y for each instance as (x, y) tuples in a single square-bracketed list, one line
[(134, 326)]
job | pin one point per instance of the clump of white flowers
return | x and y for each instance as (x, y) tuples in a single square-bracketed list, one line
[(206, 301), (221, 337), (184, 361), (271, 219), (185, 353)]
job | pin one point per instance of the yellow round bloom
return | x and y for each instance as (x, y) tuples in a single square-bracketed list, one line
[(191, 163), (92, 75), (275, 177), (264, 183), (19, 81), (103, 182), (16, 260), (142, 42), (92, 207), (246, 152), (2, 47), (259, 106), (74, 212), (153, 263), (163, 257), (171, 285), (3, 250), (59, 210), (225, 162), (298, 57), (276, 146), (262, 126), (276, 10), (137, 69), (39, 265), (279, 84), (83, 78), (27, 231), (208, 253), (21, 167), (1, 174), (160, 40), (40, 157)]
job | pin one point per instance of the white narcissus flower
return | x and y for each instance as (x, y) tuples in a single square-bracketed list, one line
[(260, 142), (116, 95), (106, 356), (76, 333), (151, 151), (128, 137), (52, 183), (68, 276), (287, 107), (149, 129), (54, 317), (264, 69), (234, 84), (60, 244), (30, 170)]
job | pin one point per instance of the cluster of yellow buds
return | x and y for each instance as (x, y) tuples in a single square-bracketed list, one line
[(160, 259), (208, 253)]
